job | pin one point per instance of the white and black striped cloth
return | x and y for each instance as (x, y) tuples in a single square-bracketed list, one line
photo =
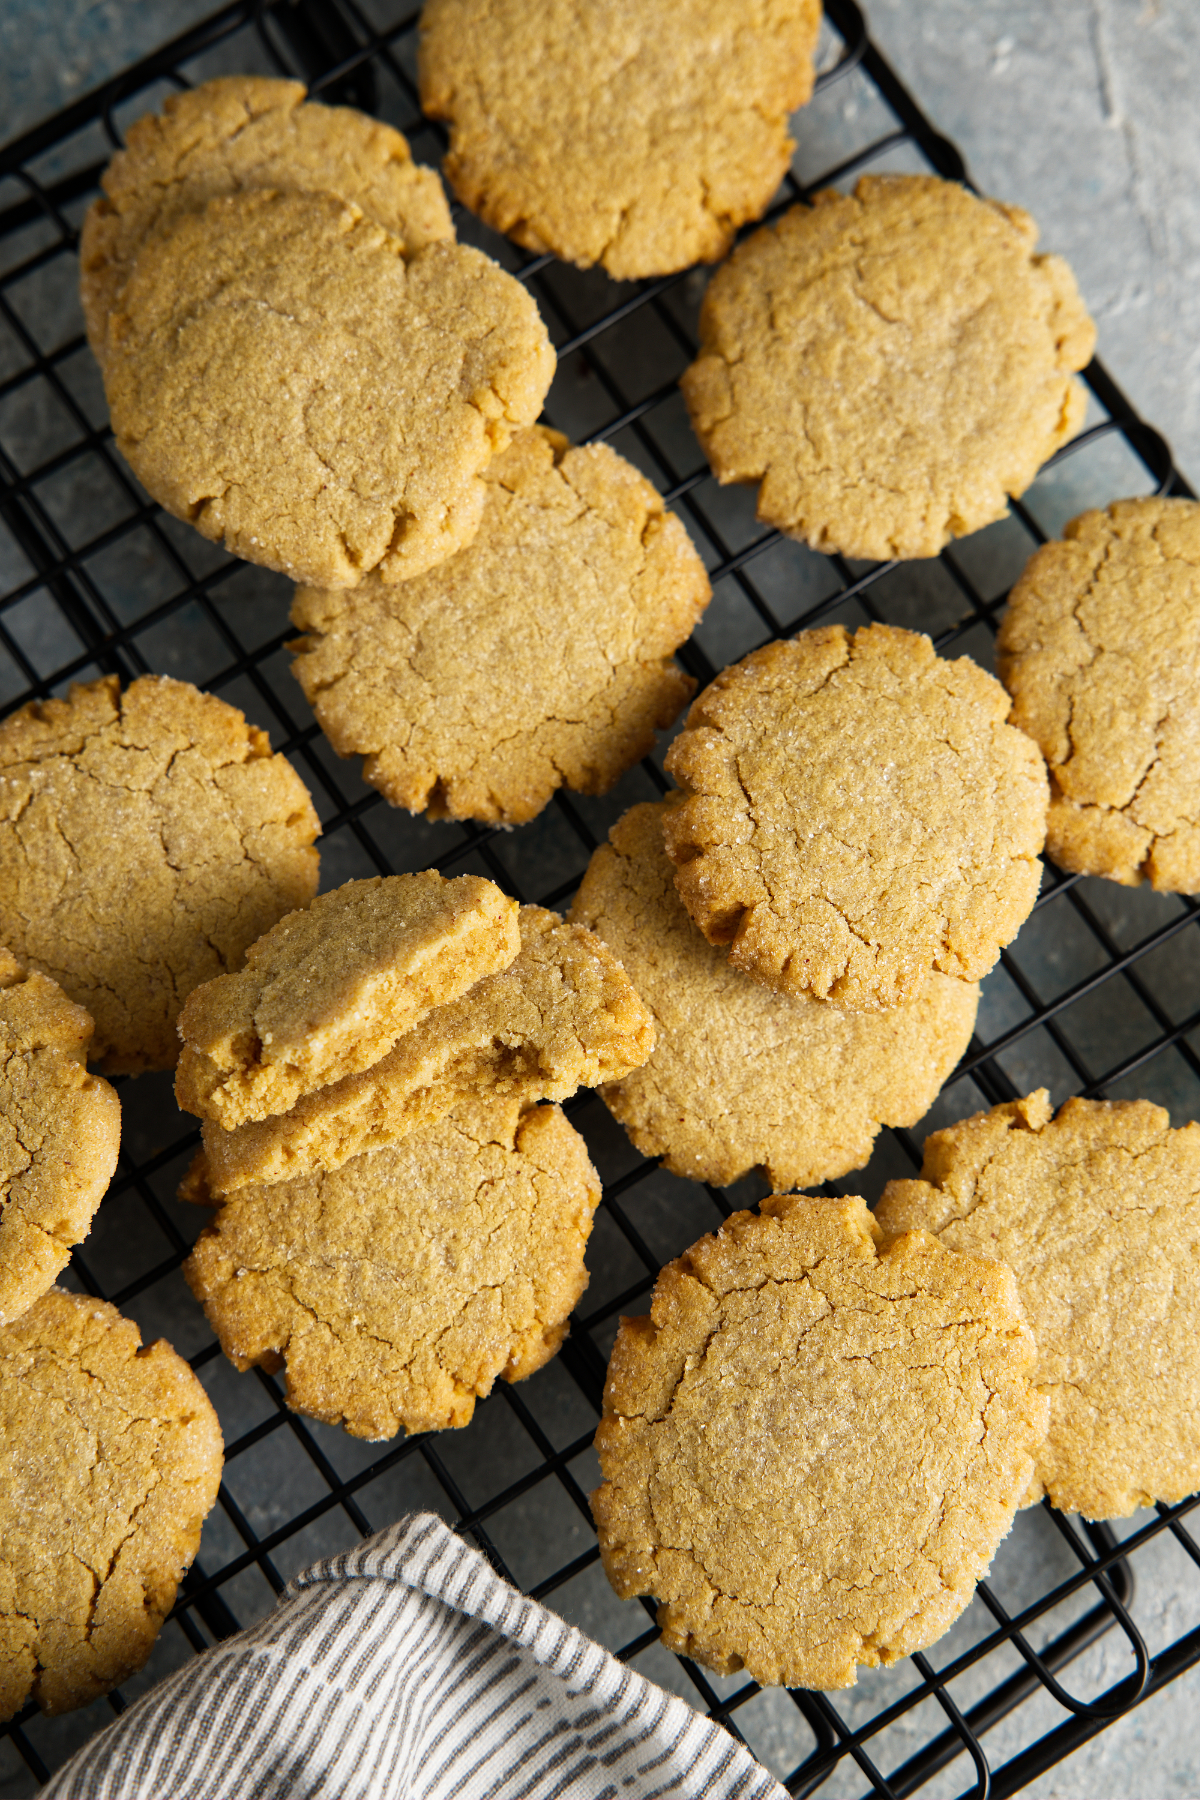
[(408, 1669)]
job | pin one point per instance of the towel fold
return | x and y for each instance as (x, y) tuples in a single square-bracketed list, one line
[(408, 1669)]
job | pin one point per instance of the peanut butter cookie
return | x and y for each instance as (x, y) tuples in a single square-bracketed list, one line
[(1097, 1212), (562, 1016), (858, 813), (890, 367), (398, 1287), (246, 131), (327, 992), (741, 1077), (1100, 650), (146, 839), (110, 1457), (60, 1130), (813, 1445), (286, 376), (539, 655), (639, 139)]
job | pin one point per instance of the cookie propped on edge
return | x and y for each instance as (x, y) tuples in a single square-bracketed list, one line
[(397, 1287), (110, 1458), (741, 1077), (327, 991), (1097, 1212), (813, 1445), (60, 1131), (563, 1015)]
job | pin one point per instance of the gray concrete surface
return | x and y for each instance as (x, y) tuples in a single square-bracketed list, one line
[(1083, 111)]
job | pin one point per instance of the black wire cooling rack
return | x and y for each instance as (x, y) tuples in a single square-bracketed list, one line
[(1100, 995)]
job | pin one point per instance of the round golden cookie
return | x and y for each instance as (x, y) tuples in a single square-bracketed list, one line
[(539, 655), (858, 813), (741, 1077), (60, 1130), (814, 1443), (328, 991), (638, 138), (398, 1287), (286, 377), (246, 131), (146, 839), (1100, 650), (1097, 1212), (890, 367), (110, 1457)]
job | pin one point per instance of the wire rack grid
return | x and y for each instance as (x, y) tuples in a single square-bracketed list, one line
[(1100, 995)]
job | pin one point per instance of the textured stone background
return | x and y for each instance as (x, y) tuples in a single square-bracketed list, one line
[(1084, 112)]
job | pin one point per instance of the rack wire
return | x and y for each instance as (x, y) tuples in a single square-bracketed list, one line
[(1100, 995)]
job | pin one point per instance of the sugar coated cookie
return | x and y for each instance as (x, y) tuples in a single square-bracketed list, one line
[(1100, 650), (563, 1015), (110, 1457), (397, 1288), (285, 376), (635, 137), (246, 131), (60, 1130), (889, 366), (146, 839), (858, 813), (741, 1077), (539, 655), (1097, 1212), (328, 991), (814, 1443)]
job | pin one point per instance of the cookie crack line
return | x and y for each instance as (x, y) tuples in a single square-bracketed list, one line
[(130, 1534), (129, 1421)]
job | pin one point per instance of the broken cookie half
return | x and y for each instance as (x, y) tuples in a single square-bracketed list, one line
[(563, 1015), (329, 990)]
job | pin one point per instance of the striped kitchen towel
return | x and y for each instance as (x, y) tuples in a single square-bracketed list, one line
[(408, 1669)]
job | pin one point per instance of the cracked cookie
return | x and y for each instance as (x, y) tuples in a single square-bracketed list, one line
[(246, 131), (634, 138), (399, 1286), (283, 374), (889, 366), (563, 1015), (146, 839), (60, 1130), (814, 1443), (857, 813), (462, 689), (110, 1457), (328, 991), (1100, 650), (1097, 1212), (741, 1077)]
